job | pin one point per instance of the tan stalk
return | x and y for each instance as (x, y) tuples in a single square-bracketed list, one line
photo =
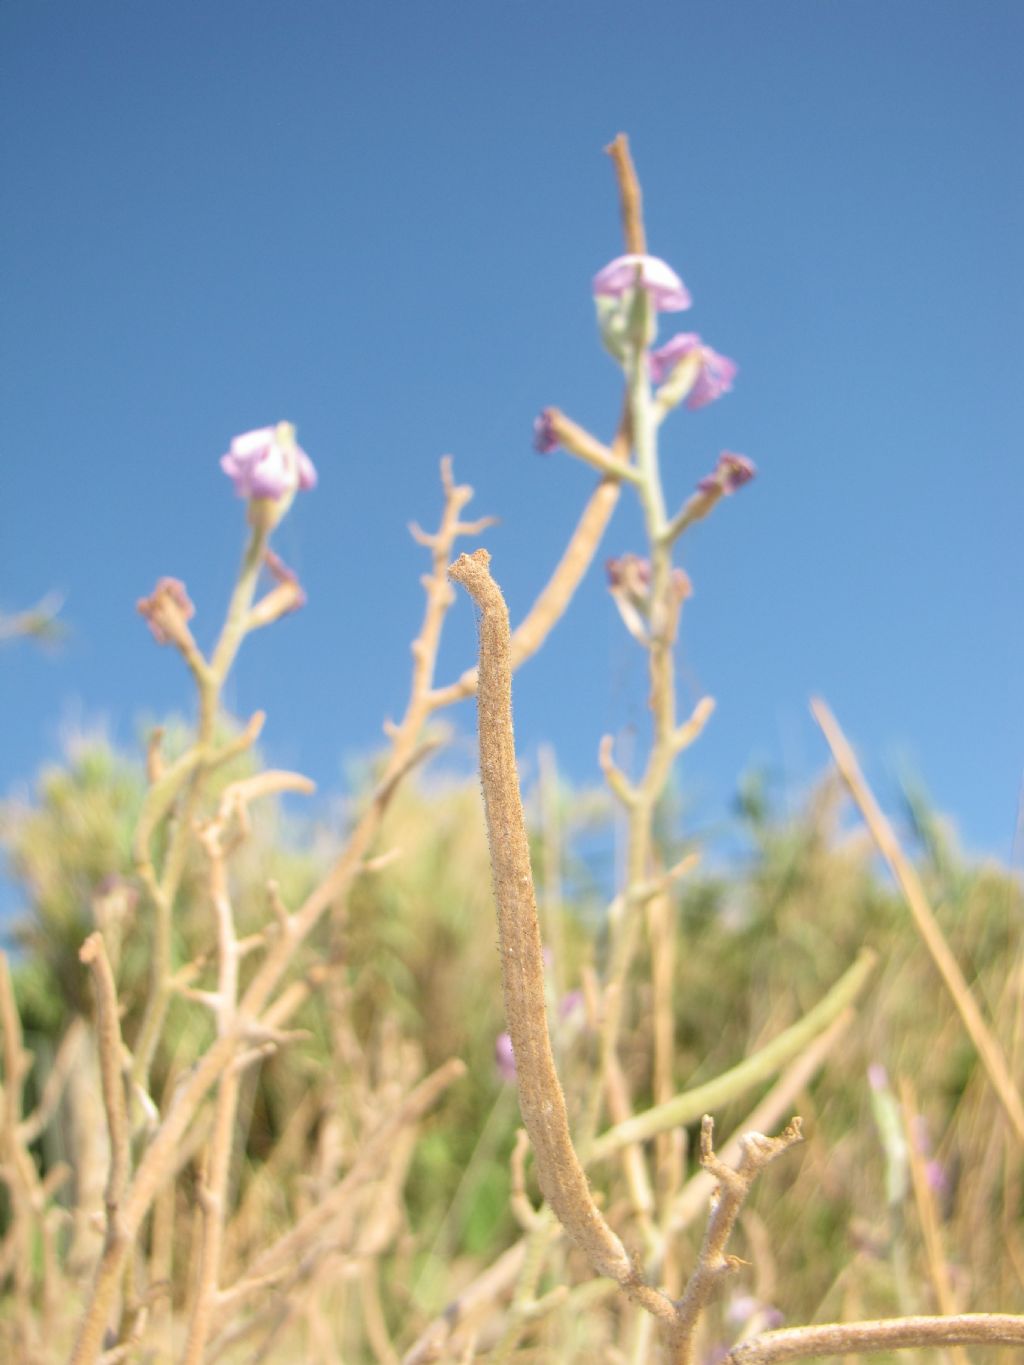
[(927, 925), (541, 1100), (864, 1338)]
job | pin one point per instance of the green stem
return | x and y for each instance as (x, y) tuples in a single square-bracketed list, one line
[(754, 1070)]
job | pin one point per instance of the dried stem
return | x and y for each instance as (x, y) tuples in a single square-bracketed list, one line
[(713, 1264), (213, 1195), (556, 594), (120, 1232), (541, 1101), (488, 1286), (895, 1334), (111, 1050), (286, 1256), (902, 869), (629, 194), (157, 1163), (16, 1164)]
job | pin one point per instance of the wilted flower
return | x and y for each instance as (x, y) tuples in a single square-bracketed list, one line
[(167, 610), (731, 472), (666, 290), (629, 580), (631, 573), (544, 438), (267, 463), (709, 374)]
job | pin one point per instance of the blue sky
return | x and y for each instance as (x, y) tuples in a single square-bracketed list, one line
[(380, 222)]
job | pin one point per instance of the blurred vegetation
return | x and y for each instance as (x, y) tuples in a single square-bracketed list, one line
[(416, 968)]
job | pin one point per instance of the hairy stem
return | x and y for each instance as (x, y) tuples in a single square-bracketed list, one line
[(541, 1100)]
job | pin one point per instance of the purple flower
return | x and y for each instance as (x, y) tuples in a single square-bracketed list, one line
[(570, 1004), (667, 291), (545, 439), (937, 1176), (747, 1312), (504, 1058), (731, 472), (267, 463), (715, 372)]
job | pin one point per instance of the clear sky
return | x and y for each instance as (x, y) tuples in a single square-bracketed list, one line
[(380, 220)]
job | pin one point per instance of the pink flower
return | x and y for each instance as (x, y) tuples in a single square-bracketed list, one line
[(504, 1058), (267, 463), (667, 291), (714, 375), (878, 1077)]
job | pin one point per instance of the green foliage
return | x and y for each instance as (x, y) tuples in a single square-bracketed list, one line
[(413, 967)]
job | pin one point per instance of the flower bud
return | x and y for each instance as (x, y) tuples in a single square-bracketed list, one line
[(268, 467), (545, 438), (731, 473), (629, 293)]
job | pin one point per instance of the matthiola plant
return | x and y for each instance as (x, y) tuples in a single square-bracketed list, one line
[(649, 591), (265, 1216)]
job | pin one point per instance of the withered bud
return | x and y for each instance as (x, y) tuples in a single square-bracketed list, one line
[(167, 611)]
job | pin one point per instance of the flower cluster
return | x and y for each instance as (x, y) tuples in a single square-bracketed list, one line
[(685, 368)]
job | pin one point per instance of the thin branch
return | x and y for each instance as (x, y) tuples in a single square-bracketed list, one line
[(579, 442), (111, 1050), (713, 1264), (553, 599), (290, 1249), (488, 1286), (630, 197)]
